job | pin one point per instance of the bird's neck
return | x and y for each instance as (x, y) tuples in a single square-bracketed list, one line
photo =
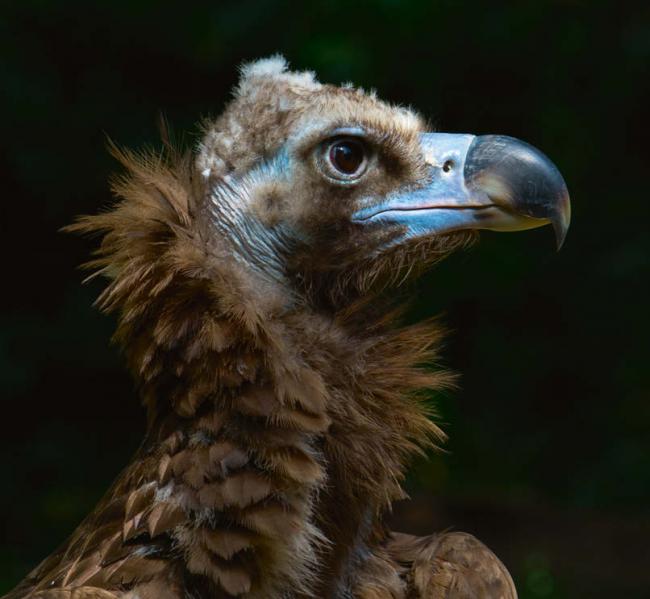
[(281, 443)]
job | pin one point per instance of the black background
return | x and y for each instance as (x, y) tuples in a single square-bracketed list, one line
[(548, 459)]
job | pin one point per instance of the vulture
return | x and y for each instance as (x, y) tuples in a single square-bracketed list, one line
[(255, 279)]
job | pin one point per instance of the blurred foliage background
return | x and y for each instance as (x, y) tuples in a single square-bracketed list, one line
[(548, 458)]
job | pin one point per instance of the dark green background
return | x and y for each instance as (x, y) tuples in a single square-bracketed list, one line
[(549, 454)]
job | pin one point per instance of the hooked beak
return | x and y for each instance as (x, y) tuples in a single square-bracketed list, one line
[(490, 182)]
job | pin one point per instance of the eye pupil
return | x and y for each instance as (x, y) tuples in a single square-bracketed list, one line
[(347, 156)]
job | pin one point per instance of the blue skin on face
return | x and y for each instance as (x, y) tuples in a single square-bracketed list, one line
[(442, 204)]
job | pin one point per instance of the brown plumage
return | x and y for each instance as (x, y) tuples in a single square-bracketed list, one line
[(282, 396)]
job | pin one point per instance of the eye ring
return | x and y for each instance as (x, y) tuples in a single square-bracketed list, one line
[(345, 158)]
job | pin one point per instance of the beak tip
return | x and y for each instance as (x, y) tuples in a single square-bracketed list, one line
[(562, 220)]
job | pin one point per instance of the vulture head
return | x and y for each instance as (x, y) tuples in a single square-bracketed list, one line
[(317, 185), (282, 400)]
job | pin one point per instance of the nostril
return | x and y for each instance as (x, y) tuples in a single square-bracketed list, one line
[(448, 165)]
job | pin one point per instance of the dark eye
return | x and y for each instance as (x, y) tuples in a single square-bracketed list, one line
[(347, 157)]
